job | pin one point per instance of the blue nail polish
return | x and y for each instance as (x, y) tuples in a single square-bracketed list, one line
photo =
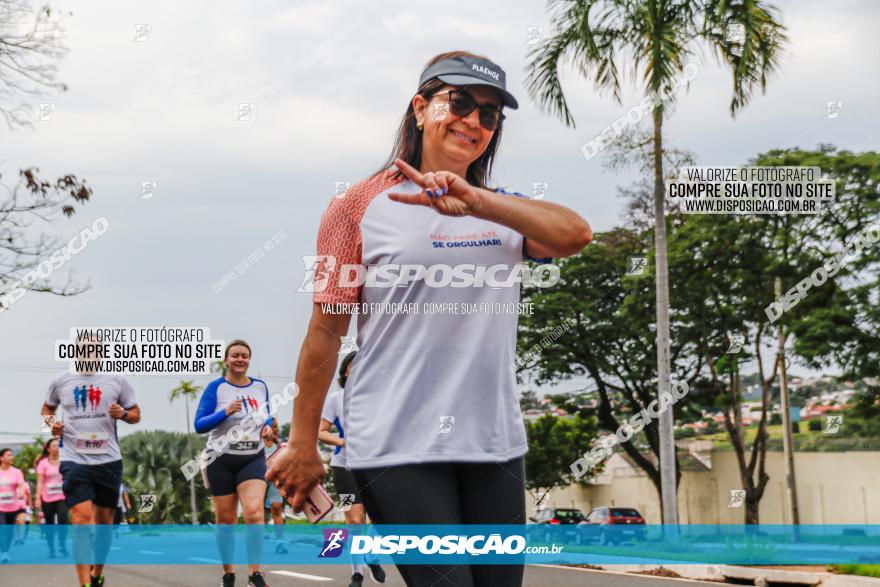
[(443, 192), (430, 194)]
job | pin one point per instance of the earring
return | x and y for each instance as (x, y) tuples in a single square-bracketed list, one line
[(420, 126)]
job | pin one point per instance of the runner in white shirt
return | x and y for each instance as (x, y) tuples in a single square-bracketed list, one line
[(343, 479), (234, 409), (436, 434), (91, 463), (123, 506)]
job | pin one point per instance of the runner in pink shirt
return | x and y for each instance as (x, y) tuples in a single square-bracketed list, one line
[(11, 493), (50, 497)]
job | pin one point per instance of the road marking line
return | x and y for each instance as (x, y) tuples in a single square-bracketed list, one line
[(198, 559), (153, 552), (622, 573), (301, 576)]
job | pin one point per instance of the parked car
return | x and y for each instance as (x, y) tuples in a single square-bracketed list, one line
[(568, 517), (613, 525)]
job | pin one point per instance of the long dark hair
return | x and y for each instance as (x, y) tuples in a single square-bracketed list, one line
[(343, 367), (45, 454), (408, 142)]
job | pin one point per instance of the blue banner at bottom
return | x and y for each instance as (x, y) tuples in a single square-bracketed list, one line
[(298, 544)]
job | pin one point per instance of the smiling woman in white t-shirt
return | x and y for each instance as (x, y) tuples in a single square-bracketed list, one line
[(437, 436), (234, 411)]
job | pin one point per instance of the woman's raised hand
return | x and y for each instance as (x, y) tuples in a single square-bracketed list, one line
[(444, 191)]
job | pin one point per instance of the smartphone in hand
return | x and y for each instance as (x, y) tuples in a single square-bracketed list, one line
[(318, 502)]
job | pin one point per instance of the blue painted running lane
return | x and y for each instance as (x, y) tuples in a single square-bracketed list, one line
[(438, 544)]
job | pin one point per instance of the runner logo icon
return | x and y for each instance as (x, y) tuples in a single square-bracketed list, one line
[(148, 501), (334, 542)]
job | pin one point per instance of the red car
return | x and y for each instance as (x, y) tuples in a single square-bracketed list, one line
[(613, 525)]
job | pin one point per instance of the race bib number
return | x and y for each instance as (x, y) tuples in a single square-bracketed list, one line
[(53, 488), (7, 498), (245, 446), (92, 443), (249, 440)]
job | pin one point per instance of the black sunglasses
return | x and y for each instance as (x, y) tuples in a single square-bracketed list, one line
[(462, 104)]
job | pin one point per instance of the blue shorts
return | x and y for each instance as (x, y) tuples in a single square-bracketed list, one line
[(228, 470), (96, 483)]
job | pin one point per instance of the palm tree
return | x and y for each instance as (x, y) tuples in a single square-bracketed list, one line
[(188, 390), (220, 367), (659, 38)]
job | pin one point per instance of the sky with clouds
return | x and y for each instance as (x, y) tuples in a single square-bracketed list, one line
[(329, 83)]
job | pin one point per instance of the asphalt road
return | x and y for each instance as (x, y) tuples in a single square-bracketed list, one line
[(278, 576)]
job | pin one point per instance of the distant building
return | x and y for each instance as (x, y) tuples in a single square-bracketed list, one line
[(533, 414), (15, 440), (819, 410)]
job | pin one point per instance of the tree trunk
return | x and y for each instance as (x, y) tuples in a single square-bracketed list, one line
[(751, 510), (667, 440), (192, 481), (757, 453), (606, 418)]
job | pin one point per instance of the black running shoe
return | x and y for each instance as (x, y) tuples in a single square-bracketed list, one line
[(97, 581), (357, 580), (377, 573), (256, 580), (228, 580)]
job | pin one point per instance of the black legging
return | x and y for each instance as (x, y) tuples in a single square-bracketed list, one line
[(7, 527), (56, 523), (449, 493)]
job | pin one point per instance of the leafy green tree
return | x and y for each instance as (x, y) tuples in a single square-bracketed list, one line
[(601, 324), (553, 445), (843, 331), (26, 459), (152, 463), (655, 41), (723, 269), (863, 418)]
